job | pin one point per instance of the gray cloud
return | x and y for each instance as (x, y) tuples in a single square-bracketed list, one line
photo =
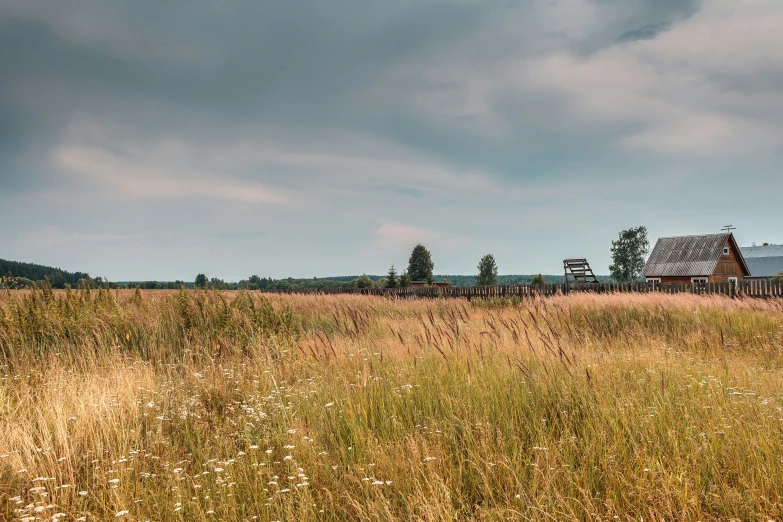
[(247, 135)]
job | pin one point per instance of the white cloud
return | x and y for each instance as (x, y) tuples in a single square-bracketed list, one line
[(257, 165), (393, 238), (396, 238), (140, 178)]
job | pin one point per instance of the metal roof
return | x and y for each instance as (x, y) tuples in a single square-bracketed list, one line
[(686, 255), (762, 251), (764, 261)]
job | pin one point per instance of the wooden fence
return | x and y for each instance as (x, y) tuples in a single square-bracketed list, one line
[(757, 289)]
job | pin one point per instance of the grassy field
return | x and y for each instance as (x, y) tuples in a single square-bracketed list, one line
[(200, 405)]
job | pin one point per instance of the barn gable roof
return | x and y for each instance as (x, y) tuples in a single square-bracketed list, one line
[(764, 261), (685, 256)]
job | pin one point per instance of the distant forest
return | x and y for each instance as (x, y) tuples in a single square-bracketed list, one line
[(27, 273), (15, 274)]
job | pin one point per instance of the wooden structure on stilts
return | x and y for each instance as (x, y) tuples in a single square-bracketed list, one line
[(578, 273)]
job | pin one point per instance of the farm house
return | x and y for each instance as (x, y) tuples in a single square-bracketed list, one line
[(708, 258)]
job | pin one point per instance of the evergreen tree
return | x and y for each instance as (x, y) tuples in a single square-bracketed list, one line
[(392, 279), (488, 271), (201, 281), (420, 265), (628, 254), (405, 280)]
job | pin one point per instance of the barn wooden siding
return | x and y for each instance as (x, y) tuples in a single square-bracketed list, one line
[(746, 288), (728, 265)]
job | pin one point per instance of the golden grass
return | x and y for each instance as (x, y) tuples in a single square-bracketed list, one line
[(228, 406)]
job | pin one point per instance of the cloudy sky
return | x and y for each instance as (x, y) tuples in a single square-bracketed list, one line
[(155, 140)]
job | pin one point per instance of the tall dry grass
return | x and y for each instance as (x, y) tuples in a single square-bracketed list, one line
[(236, 406)]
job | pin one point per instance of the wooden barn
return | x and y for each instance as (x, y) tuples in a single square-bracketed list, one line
[(709, 258)]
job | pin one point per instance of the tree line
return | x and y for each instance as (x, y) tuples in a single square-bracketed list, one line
[(28, 273), (628, 258)]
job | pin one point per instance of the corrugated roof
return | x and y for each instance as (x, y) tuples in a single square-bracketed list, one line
[(764, 261), (762, 251), (685, 256)]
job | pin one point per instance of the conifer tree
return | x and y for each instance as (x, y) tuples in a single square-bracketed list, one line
[(392, 281), (420, 265)]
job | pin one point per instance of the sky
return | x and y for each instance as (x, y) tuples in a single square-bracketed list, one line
[(148, 140)]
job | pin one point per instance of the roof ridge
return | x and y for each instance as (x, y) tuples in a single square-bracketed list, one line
[(694, 235)]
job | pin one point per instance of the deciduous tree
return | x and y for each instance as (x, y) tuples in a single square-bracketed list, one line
[(538, 280), (363, 281), (628, 254), (488, 271), (201, 281)]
